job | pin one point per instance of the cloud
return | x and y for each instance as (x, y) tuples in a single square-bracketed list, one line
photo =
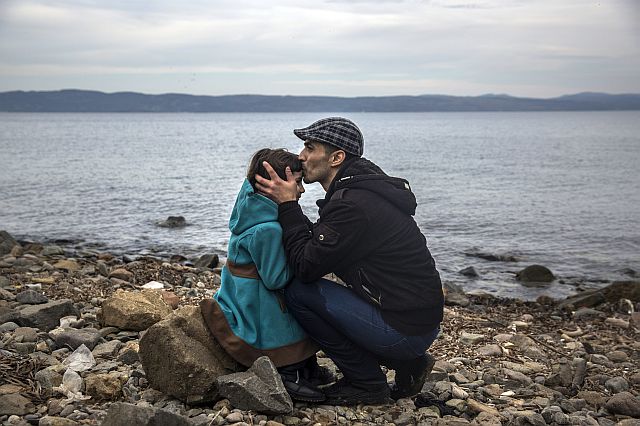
[(477, 43)]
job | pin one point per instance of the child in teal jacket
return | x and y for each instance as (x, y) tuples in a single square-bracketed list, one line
[(247, 315)]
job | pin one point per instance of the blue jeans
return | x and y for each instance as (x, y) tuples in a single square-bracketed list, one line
[(351, 331)]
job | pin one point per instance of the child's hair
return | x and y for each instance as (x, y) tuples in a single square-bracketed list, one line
[(279, 160)]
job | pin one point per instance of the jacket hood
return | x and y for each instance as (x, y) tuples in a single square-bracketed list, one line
[(251, 209), (360, 173)]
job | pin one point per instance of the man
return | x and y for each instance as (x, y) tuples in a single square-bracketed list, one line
[(391, 306)]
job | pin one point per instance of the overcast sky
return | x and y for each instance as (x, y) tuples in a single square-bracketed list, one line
[(538, 48)]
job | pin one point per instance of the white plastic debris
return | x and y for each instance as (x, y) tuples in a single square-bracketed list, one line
[(153, 285), (71, 386), (80, 360)]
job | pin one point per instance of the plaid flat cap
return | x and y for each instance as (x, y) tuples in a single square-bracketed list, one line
[(336, 131)]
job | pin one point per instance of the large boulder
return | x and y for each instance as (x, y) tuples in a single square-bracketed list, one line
[(535, 274), (45, 316), (622, 290), (259, 388), (624, 403), (7, 243), (136, 311), (181, 358), (124, 414), (173, 222), (612, 293)]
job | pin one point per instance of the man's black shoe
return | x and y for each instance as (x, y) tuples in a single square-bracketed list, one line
[(344, 393), (301, 390), (411, 376), (319, 376)]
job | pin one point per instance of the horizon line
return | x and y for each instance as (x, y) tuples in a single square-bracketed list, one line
[(321, 96)]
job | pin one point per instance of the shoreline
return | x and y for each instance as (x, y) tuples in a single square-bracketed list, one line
[(499, 360), (497, 268)]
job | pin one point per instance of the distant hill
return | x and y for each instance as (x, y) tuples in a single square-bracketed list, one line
[(92, 101)]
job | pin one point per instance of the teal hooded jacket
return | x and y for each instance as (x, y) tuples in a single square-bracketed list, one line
[(249, 295)]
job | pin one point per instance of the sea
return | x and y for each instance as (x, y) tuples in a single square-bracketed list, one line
[(559, 189)]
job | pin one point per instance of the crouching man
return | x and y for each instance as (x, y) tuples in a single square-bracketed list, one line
[(390, 308)]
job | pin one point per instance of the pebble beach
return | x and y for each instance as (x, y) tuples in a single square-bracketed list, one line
[(71, 355)]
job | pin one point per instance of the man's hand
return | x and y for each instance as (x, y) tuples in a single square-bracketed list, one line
[(277, 189)]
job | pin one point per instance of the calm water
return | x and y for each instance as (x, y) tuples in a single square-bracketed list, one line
[(558, 189)]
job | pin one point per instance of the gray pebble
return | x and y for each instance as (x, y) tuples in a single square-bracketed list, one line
[(617, 385)]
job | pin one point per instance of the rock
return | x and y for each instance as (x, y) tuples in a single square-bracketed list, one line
[(8, 389), (612, 293), (617, 322), (124, 414), (75, 337), (527, 418), (469, 272), (56, 421), (209, 261), (153, 285), (6, 295), (45, 316), (134, 310), (494, 257), (68, 265), (583, 313), (635, 319), (454, 295), (129, 353), (535, 274), (470, 338), (474, 406), (31, 297), (48, 378), (486, 419), (7, 243), (102, 268), (52, 250), (624, 403), (8, 326), (15, 404), (181, 358), (4, 282), (25, 334), (517, 376), (105, 387), (616, 385), (622, 290), (173, 222), (121, 274), (594, 399), (618, 356), (107, 350), (171, 299)]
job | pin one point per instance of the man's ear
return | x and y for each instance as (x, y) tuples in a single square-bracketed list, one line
[(337, 158)]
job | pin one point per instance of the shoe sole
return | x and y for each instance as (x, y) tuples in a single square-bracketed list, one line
[(307, 399), (359, 401)]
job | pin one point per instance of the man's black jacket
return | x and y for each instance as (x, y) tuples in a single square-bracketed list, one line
[(366, 235)]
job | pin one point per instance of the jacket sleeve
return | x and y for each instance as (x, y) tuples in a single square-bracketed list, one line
[(269, 257), (315, 252)]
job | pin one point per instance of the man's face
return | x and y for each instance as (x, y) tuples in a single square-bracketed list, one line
[(298, 177), (315, 162)]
